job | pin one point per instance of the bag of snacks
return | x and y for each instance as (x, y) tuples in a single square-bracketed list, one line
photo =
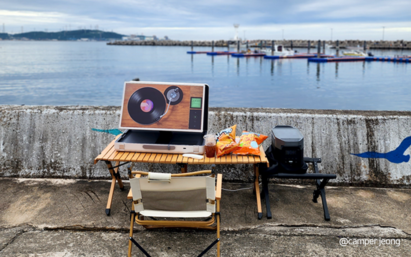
[(249, 143), (226, 141)]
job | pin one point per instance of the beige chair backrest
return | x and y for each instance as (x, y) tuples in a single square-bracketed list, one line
[(161, 192)]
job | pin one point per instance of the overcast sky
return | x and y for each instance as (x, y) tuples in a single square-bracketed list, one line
[(213, 20)]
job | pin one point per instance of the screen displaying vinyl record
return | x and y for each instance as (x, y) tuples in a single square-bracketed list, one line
[(163, 106), (146, 105)]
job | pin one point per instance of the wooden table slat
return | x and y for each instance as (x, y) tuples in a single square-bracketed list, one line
[(174, 159), (117, 156), (163, 158), (105, 151), (179, 158), (146, 157), (169, 158), (108, 154), (201, 161), (141, 157), (152, 157), (158, 157), (135, 157), (250, 159), (110, 158), (196, 161), (257, 159), (228, 159), (125, 156), (131, 157), (223, 159), (234, 159)]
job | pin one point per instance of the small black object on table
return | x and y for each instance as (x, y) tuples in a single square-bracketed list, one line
[(321, 181)]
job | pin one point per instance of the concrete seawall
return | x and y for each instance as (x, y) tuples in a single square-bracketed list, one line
[(58, 141)]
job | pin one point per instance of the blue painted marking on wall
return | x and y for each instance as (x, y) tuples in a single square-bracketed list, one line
[(396, 156), (109, 131)]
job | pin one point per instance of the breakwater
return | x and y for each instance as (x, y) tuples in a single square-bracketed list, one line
[(382, 44), (59, 141)]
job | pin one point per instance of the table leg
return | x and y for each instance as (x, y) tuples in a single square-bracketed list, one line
[(257, 191), (114, 177), (120, 182), (184, 168), (266, 195), (110, 196)]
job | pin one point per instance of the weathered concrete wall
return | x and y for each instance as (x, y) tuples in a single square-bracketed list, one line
[(46, 141)]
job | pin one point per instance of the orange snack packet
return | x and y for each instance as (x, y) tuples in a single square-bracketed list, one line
[(226, 141), (249, 143)]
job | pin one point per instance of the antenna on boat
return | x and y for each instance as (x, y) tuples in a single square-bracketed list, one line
[(236, 31)]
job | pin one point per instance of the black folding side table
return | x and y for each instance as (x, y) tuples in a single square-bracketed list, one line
[(321, 181)]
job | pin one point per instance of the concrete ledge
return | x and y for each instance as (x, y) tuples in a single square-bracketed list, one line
[(65, 217), (57, 141)]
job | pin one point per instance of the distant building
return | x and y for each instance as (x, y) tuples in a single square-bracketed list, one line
[(133, 38), (166, 38), (139, 37)]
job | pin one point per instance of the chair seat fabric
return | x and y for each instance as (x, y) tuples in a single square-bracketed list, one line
[(176, 214)]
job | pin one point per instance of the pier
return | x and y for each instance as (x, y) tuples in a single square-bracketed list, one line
[(298, 43)]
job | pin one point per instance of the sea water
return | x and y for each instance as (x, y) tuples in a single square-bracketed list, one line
[(93, 73)]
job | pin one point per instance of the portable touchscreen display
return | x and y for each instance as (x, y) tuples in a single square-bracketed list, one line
[(163, 106)]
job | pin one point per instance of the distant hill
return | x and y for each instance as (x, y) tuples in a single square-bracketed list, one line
[(4, 36), (64, 35)]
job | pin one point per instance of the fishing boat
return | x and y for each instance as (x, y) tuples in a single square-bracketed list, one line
[(354, 53), (279, 50), (234, 45)]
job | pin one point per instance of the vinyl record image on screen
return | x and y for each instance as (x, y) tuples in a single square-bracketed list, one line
[(146, 105)]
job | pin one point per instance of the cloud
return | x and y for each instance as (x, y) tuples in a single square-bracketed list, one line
[(213, 19)]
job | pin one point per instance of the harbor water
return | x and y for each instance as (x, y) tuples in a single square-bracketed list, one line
[(93, 73)]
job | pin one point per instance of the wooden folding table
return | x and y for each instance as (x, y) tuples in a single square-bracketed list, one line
[(109, 155)]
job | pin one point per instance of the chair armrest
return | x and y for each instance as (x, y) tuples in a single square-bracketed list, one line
[(218, 188), (130, 194), (143, 173)]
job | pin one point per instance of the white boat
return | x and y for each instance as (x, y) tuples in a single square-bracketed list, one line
[(279, 50), (354, 53), (242, 45)]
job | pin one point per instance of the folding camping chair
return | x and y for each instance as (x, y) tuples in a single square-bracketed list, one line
[(169, 199)]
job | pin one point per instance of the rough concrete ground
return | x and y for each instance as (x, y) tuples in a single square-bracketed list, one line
[(51, 217)]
